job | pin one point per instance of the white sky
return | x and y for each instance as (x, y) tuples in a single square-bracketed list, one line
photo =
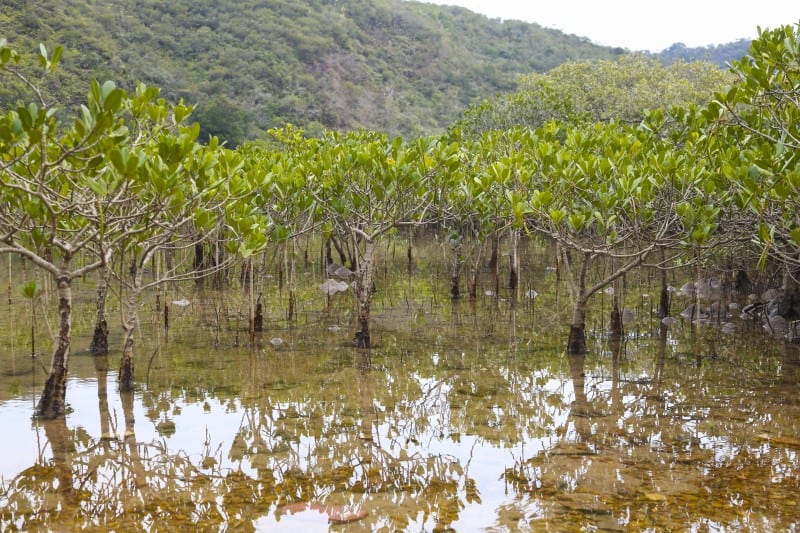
[(642, 24)]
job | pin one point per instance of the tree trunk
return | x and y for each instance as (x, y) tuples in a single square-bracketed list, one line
[(616, 319), (126, 379), (493, 257), (328, 256), (664, 300), (513, 271), (576, 345), (99, 344), (455, 276), (258, 319), (410, 256), (53, 401), (342, 256), (200, 262), (495, 264), (363, 293), (473, 288)]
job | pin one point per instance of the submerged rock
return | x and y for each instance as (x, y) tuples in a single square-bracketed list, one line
[(708, 289), (338, 271), (669, 321), (331, 287), (776, 325), (688, 313), (627, 316), (687, 289)]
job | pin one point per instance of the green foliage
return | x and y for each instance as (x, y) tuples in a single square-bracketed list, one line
[(760, 115), (126, 172), (602, 90), (219, 117)]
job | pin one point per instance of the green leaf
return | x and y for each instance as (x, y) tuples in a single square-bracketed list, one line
[(557, 215), (795, 236), (43, 56), (97, 186), (30, 290), (577, 221), (765, 232), (56, 57)]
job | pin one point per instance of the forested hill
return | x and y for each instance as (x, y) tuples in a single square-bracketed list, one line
[(720, 54), (402, 67)]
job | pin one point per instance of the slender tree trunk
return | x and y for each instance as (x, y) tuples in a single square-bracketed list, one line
[(495, 264), (493, 257), (473, 288), (410, 255), (328, 257), (363, 293), (169, 259), (455, 275), (664, 300), (126, 367), (246, 273), (52, 403), (291, 282), (258, 318), (126, 379), (342, 255), (617, 330), (513, 273), (99, 344), (576, 344), (200, 262)]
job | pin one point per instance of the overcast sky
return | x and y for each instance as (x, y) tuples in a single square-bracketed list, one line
[(642, 24)]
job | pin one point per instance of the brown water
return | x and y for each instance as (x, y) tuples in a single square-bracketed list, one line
[(464, 418)]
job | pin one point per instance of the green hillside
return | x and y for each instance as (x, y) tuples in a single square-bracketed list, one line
[(403, 67)]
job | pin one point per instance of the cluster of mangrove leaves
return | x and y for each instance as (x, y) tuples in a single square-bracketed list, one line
[(122, 185)]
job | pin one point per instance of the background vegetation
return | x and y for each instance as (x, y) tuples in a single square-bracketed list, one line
[(401, 67)]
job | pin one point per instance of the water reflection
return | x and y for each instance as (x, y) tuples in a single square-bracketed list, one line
[(475, 421)]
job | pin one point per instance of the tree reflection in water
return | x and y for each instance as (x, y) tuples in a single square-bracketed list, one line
[(482, 432)]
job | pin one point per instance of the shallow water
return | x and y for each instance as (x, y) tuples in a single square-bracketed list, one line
[(465, 418)]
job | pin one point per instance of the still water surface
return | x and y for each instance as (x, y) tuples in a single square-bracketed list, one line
[(463, 418)]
